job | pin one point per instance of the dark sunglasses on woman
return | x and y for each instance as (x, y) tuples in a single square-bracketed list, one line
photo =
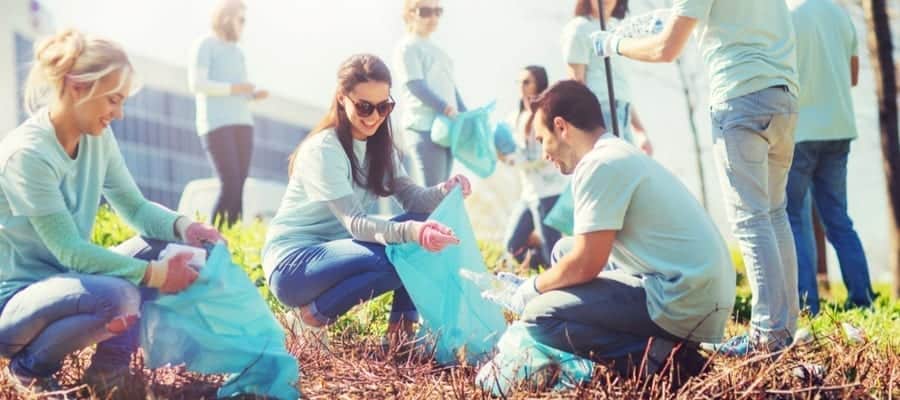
[(365, 108), (428, 12)]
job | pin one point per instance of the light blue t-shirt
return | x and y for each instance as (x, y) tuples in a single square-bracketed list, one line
[(578, 49), (224, 63), (418, 58), (38, 178), (321, 173), (747, 45), (663, 235), (826, 40)]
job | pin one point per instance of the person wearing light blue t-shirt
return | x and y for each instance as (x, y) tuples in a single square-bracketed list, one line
[(584, 67), (428, 89), (217, 75), (323, 252), (828, 62), (541, 182), (646, 265), (59, 293), (749, 51)]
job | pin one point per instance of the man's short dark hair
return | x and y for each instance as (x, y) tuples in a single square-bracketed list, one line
[(572, 101)]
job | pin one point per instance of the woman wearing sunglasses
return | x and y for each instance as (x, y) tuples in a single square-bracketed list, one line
[(541, 181), (323, 253), (426, 76), (217, 75), (590, 70)]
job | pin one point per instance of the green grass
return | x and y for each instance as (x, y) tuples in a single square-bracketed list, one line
[(353, 366)]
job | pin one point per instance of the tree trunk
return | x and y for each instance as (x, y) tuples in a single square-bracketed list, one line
[(698, 151), (881, 50)]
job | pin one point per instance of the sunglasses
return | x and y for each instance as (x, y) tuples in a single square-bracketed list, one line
[(365, 108), (428, 12)]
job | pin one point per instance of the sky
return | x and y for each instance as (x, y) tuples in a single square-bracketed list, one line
[(293, 48)]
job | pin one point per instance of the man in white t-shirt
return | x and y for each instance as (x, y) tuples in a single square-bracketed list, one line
[(645, 261)]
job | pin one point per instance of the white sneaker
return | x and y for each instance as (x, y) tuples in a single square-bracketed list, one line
[(314, 336)]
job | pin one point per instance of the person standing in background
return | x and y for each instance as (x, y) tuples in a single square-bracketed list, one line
[(217, 75), (750, 53), (425, 74), (584, 67), (828, 63), (541, 182)]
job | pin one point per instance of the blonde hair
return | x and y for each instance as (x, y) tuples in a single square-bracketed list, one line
[(409, 6), (71, 56), (222, 17)]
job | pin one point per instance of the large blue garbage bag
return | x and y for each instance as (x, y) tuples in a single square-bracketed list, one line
[(522, 359), (470, 138), (503, 138), (455, 316), (221, 324), (562, 216)]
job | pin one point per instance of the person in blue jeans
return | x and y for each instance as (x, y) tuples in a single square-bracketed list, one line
[(58, 292), (540, 180), (428, 89), (217, 75), (645, 266), (323, 253), (827, 58), (749, 50)]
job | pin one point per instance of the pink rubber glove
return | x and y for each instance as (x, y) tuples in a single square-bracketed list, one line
[(198, 234), (457, 180), (434, 237)]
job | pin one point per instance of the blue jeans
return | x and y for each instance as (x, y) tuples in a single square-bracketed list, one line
[(49, 319), (819, 173), (335, 276), (526, 216), (229, 149), (606, 318), (623, 117), (431, 162), (753, 143)]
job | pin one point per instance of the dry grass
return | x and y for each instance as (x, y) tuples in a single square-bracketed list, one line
[(358, 367)]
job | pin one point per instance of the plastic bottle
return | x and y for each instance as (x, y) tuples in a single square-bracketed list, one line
[(496, 288), (643, 25)]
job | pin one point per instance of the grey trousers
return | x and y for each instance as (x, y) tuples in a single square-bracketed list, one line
[(605, 318)]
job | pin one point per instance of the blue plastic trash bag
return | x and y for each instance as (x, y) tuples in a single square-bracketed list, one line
[(562, 216), (453, 313), (470, 138), (522, 359), (440, 131), (221, 324), (503, 138)]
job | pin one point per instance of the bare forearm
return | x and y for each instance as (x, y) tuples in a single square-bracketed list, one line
[(567, 273)]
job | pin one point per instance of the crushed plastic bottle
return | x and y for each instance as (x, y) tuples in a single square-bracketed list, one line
[(497, 288), (643, 25)]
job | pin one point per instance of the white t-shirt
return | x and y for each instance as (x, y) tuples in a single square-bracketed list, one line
[(578, 49), (539, 177), (418, 58), (663, 235), (321, 173)]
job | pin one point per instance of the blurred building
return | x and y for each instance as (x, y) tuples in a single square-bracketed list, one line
[(157, 135)]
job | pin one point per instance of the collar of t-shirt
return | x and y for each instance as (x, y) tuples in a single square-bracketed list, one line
[(603, 137)]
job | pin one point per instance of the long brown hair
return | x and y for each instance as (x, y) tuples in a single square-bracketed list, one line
[(380, 150), (583, 8)]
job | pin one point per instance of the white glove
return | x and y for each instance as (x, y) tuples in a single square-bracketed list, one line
[(605, 43), (526, 292)]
